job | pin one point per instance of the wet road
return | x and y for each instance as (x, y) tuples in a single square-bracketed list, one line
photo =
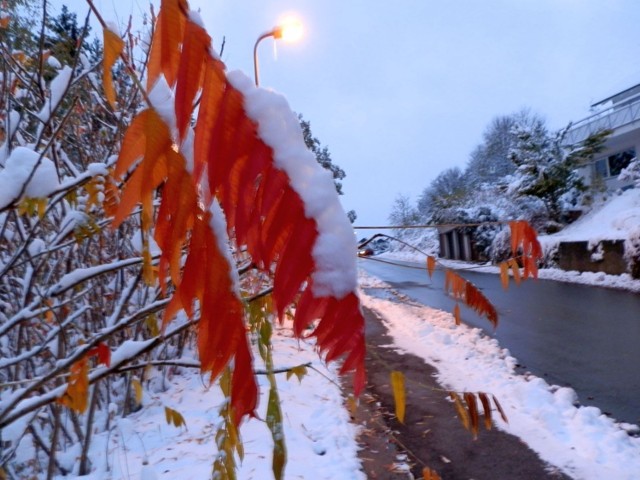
[(573, 335)]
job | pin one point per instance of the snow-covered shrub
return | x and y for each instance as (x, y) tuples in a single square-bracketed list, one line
[(631, 173)]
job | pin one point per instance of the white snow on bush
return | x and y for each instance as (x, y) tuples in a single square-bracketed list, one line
[(20, 165), (278, 127), (319, 436), (57, 88)]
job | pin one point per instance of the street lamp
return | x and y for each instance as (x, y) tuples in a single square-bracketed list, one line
[(289, 30)]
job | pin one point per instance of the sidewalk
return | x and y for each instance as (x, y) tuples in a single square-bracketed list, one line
[(432, 435)]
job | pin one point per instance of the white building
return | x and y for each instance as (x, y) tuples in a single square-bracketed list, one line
[(620, 113)]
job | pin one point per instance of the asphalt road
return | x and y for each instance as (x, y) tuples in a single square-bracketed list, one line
[(573, 335)]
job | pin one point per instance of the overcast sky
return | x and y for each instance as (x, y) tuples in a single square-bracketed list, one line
[(400, 91)]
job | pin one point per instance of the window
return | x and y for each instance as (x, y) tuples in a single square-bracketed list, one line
[(612, 165), (601, 168)]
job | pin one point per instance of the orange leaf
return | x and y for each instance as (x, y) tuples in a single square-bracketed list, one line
[(515, 268), (263, 211), (76, 396), (486, 406), (431, 265), (460, 410), (500, 410), (113, 46), (172, 19), (456, 313), (524, 236), (504, 275), (133, 144), (428, 474), (190, 73), (472, 407)]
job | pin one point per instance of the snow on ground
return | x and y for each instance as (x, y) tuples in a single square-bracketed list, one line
[(616, 219), (581, 441), (320, 440), (319, 437)]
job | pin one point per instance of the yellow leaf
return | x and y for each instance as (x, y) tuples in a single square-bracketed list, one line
[(4, 23), (462, 412), (352, 404), (137, 389), (174, 417), (504, 275), (399, 395), (152, 324), (299, 371), (113, 46), (41, 204)]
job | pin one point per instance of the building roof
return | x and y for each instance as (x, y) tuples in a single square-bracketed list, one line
[(626, 94)]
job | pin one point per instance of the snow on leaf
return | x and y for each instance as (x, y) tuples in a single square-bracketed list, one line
[(278, 202)]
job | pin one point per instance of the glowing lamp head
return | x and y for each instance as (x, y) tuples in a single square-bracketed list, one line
[(290, 30)]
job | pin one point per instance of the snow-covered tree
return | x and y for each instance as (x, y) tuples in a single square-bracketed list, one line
[(403, 212), (107, 223), (489, 162), (448, 190), (547, 168)]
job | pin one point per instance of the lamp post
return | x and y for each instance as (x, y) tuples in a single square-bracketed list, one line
[(288, 30)]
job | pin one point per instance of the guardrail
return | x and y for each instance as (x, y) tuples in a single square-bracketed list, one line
[(612, 118)]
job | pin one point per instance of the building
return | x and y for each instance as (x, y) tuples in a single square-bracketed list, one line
[(457, 244), (621, 114)]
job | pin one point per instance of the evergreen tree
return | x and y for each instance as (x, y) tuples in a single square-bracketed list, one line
[(547, 169), (322, 154), (324, 159)]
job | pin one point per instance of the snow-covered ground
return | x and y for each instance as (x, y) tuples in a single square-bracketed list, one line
[(319, 436), (321, 442)]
